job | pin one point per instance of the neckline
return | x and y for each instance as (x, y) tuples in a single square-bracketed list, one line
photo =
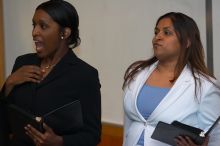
[(157, 87)]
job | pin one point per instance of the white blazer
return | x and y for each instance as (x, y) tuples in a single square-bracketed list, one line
[(179, 104)]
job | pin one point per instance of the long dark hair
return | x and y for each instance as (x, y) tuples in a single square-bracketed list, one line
[(191, 54), (65, 15)]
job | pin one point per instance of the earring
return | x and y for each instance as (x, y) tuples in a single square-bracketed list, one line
[(62, 37)]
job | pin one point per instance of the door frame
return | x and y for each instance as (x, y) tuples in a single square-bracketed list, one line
[(2, 63)]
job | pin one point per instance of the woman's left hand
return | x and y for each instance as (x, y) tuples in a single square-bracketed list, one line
[(48, 138), (186, 141)]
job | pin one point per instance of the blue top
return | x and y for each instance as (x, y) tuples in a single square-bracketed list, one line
[(148, 99)]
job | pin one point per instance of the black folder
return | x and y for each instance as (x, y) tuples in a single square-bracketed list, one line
[(168, 132), (64, 119)]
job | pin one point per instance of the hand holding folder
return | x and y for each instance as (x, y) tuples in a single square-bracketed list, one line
[(64, 119), (168, 132)]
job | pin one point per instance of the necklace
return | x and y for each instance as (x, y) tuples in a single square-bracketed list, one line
[(46, 68), (49, 66)]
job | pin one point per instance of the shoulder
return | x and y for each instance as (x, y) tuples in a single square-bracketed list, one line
[(210, 87), (140, 77), (202, 79), (85, 73), (85, 68), (26, 58), (82, 72), (208, 81), (79, 66)]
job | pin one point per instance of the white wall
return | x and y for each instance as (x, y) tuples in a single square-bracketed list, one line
[(216, 39), (114, 34)]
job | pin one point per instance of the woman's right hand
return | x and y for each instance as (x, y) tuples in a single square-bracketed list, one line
[(186, 141), (27, 73)]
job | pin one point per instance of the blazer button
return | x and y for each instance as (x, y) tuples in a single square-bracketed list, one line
[(145, 124)]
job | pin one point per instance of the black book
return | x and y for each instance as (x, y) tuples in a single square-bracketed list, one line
[(168, 132), (64, 119)]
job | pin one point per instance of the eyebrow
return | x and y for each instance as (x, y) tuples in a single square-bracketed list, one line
[(40, 21), (165, 28)]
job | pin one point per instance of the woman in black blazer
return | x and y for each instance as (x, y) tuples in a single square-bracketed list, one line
[(52, 77)]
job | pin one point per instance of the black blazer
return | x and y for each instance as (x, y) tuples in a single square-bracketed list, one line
[(71, 79)]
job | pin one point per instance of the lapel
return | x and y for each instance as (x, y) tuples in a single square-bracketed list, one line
[(181, 85), (138, 83), (62, 66), (33, 61)]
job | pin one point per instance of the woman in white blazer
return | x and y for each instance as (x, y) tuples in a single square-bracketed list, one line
[(178, 66)]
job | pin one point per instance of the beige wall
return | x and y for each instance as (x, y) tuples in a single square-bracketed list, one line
[(216, 38), (114, 34), (1, 46)]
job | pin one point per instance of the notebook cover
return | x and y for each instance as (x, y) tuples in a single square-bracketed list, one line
[(19, 118), (167, 133), (64, 119)]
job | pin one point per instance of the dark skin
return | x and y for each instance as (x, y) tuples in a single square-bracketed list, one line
[(51, 45), (167, 49), (49, 138), (186, 141)]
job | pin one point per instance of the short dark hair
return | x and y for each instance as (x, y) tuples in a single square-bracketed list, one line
[(65, 15)]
